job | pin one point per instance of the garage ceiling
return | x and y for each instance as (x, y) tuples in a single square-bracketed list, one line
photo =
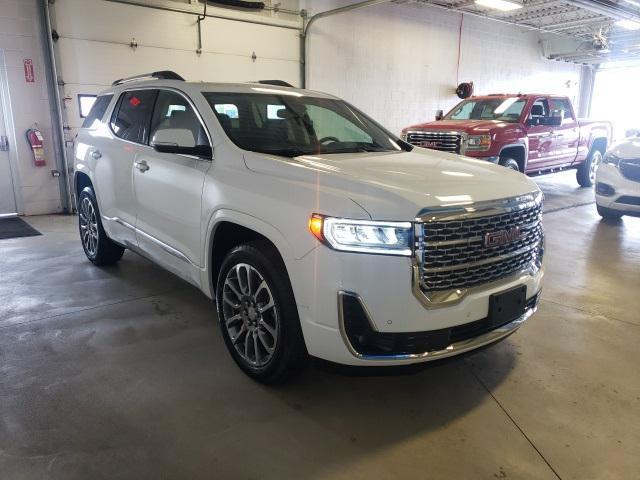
[(594, 25)]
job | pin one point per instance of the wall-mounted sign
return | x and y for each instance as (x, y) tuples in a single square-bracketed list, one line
[(29, 74)]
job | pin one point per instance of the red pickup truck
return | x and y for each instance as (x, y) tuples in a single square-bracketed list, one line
[(530, 133)]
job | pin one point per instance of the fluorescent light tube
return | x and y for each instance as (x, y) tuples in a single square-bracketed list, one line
[(502, 5), (628, 24)]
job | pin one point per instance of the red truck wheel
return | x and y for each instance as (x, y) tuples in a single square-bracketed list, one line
[(586, 174), (510, 163)]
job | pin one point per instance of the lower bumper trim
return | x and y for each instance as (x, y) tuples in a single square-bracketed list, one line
[(454, 348)]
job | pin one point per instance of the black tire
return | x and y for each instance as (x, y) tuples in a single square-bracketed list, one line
[(97, 246), (608, 213), (510, 163), (261, 261), (586, 174)]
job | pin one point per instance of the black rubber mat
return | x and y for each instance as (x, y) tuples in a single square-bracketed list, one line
[(16, 227)]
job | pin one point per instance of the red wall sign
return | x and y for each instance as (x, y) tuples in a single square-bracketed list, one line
[(29, 74)]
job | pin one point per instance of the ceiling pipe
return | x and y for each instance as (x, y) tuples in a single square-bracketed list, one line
[(307, 23)]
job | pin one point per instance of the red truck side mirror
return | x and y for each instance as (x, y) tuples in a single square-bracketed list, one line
[(554, 121), (439, 115)]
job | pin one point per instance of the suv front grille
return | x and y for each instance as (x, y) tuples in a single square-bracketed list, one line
[(455, 254), (630, 169), (445, 141)]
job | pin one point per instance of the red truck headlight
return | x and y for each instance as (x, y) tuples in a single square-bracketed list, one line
[(478, 142)]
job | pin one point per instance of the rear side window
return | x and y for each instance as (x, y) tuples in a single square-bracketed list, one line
[(561, 107), (97, 111), (132, 116)]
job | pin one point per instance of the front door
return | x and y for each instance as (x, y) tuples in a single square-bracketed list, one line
[(567, 135), (541, 139), (168, 188), (7, 194)]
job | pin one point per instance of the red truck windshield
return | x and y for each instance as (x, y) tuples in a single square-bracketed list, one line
[(499, 108)]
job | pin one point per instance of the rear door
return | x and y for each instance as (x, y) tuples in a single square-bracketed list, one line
[(168, 188), (567, 135), (114, 158), (541, 141)]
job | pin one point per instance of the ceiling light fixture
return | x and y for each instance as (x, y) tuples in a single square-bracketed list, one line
[(628, 24), (502, 5)]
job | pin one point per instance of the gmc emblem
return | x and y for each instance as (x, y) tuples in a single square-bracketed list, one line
[(502, 237), (430, 144)]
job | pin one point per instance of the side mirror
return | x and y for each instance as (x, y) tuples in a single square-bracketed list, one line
[(180, 141), (554, 121), (439, 115)]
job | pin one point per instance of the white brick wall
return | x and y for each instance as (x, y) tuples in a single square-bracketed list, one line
[(398, 62), (21, 38)]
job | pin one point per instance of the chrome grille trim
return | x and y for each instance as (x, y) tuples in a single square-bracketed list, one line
[(630, 169), (446, 141), (446, 268)]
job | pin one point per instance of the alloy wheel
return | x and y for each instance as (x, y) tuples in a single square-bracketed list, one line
[(250, 314), (88, 227)]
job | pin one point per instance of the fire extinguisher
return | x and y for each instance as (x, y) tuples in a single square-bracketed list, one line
[(36, 142)]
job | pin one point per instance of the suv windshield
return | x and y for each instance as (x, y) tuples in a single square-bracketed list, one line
[(290, 124), (499, 108)]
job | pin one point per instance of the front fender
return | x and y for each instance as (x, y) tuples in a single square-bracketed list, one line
[(265, 229)]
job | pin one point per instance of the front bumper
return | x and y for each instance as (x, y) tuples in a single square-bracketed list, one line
[(624, 191), (385, 285)]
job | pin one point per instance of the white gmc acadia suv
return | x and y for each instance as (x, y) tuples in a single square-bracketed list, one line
[(316, 231)]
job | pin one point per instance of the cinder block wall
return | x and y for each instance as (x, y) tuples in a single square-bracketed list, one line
[(21, 38), (399, 62)]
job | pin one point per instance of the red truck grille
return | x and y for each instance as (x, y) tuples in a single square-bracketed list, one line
[(631, 169), (445, 141)]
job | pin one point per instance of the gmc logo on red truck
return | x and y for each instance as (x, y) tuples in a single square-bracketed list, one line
[(502, 237)]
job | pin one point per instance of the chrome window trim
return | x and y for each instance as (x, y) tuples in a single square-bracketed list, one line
[(455, 348)]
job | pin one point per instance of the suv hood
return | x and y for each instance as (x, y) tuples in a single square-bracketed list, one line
[(397, 185)]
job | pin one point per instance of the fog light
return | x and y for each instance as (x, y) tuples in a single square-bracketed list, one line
[(604, 189)]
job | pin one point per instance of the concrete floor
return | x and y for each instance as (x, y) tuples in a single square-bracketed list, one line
[(121, 373)]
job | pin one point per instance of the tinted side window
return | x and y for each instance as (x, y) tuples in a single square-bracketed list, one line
[(561, 107), (174, 112), (132, 116), (97, 111)]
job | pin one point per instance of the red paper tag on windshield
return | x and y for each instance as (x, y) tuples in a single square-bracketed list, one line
[(135, 101)]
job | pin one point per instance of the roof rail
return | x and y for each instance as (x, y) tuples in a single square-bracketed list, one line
[(162, 75), (277, 83)]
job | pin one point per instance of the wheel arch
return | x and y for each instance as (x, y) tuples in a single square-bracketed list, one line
[(228, 229), (600, 144), (81, 181), (518, 152)]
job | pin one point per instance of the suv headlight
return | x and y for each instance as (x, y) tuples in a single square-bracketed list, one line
[(611, 159), (363, 236), (478, 142)]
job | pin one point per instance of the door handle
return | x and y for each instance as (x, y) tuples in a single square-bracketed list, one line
[(4, 144), (141, 165), (96, 154)]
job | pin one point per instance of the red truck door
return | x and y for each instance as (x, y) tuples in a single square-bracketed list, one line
[(567, 135), (541, 140)]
